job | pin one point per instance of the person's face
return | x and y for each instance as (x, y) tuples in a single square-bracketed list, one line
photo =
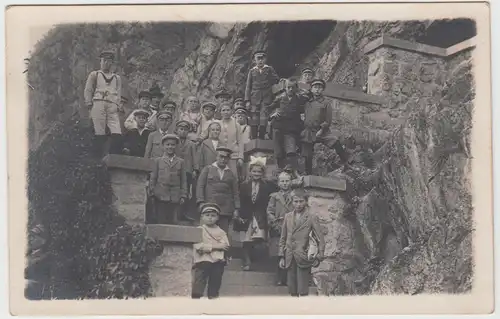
[(214, 131), (226, 112), (222, 159), (260, 60), (307, 77), (182, 131), (106, 63), (284, 182), (317, 89), (299, 203), (209, 218), (238, 104), (241, 118), (291, 88), (208, 112), (256, 173), (222, 98), (144, 101), (155, 100), (191, 103), (164, 122), (140, 120), (169, 147)]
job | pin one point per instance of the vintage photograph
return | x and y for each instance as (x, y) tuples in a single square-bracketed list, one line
[(298, 158)]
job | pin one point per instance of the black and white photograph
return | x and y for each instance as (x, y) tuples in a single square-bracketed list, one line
[(242, 154)]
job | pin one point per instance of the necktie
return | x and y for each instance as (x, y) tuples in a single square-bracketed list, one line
[(254, 192)]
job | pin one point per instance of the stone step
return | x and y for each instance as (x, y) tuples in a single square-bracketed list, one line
[(268, 265), (239, 290), (248, 278)]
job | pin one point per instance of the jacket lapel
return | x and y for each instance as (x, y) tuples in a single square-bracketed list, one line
[(210, 145), (301, 221)]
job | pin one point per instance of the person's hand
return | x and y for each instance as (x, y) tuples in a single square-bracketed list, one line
[(282, 263), (182, 201), (303, 133), (247, 104), (126, 151), (195, 174), (206, 249)]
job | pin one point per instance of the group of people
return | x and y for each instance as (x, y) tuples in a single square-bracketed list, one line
[(198, 155)]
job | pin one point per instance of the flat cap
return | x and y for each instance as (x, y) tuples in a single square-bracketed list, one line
[(172, 137), (307, 70), (224, 149), (210, 207), (107, 54), (141, 112), (259, 53), (209, 104), (222, 92), (318, 81), (239, 99), (183, 123), (156, 92), (240, 110), (164, 114)]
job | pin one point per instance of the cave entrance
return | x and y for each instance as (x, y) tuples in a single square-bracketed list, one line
[(445, 33), (292, 41)]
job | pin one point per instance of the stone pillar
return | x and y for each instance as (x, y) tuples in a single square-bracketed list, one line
[(262, 148), (129, 177), (408, 74), (170, 273)]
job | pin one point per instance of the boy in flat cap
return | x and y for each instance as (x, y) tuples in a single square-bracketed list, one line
[(317, 119), (259, 93), (154, 147), (221, 97), (187, 151), (207, 117), (217, 184), (241, 117), (306, 77), (287, 124), (135, 140), (239, 102), (143, 104), (168, 183), (103, 95), (209, 255)]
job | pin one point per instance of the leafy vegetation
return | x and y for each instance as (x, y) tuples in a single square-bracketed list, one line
[(91, 252)]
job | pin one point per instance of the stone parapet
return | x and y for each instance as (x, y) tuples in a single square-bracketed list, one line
[(129, 177)]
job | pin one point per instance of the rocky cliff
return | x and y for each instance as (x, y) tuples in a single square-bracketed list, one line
[(404, 224)]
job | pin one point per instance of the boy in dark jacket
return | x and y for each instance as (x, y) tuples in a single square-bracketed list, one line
[(135, 140), (259, 93), (317, 120), (287, 123)]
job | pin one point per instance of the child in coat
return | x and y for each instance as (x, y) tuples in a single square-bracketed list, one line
[(230, 137), (135, 140), (254, 198), (187, 151), (317, 120), (259, 93), (168, 184), (286, 123), (208, 110), (298, 228), (208, 256), (154, 146), (207, 153), (280, 203)]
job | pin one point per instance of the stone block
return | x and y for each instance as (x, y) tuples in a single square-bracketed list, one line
[(129, 194), (170, 273), (128, 177), (175, 233), (133, 213)]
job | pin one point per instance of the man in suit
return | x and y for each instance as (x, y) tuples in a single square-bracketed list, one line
[(217, 184), (299, 225)]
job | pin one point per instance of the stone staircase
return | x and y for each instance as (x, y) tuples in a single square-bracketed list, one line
[(259, 281)]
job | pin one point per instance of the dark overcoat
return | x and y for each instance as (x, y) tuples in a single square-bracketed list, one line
[(257, 209)]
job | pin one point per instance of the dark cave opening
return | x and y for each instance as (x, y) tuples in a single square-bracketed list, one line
[(445, 33), (291, 41)]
